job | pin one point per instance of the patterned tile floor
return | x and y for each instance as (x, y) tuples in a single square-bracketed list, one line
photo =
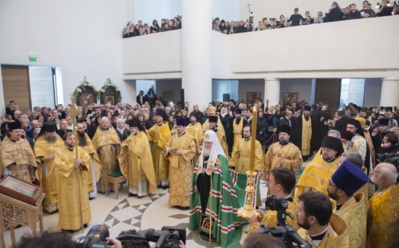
[(128, 213)]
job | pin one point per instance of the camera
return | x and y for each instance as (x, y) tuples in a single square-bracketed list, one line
[(167, 237), (285, 232), (95, 238)]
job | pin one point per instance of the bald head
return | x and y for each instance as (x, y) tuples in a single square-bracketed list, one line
[(384, 175)]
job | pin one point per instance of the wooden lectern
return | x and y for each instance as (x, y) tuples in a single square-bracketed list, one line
[(26, 210)]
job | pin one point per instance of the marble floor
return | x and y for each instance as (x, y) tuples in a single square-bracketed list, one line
[(128, 213)]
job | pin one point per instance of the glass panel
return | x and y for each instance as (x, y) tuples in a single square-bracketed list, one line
[(352, 91), (41, 86)]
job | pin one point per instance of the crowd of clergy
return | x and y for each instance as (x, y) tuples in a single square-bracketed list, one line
[(346, 195)]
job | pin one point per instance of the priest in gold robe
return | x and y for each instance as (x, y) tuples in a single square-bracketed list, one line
[(46, 146), (237, 123), (107, 144), (241, 154), (159, 135), (195, 129), (317, 173), (136, 161), (16, 155), (383, 208), (350, 206), (180, 151), (71, 163), (213, 120), (206, 126), (283, 153), (94, 172), (302, 132)]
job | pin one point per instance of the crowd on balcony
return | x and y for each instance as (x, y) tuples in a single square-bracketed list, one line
[(335, 13), (139, 28)]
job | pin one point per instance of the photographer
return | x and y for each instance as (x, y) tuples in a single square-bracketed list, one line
[(280, 183)]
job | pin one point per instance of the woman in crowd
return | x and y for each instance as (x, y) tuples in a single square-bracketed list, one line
[(282, 23), (155, 27), (319, 18)]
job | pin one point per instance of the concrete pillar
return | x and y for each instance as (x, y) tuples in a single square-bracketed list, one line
[(389, 92), (272, 91), (196, 55)]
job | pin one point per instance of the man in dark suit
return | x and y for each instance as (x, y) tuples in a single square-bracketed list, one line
[(335, 14), (340, 124)]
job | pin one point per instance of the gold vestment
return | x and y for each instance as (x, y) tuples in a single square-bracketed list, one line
[(107, 144), (17, 157), (316, 175), (180, 169), (159, 136), (383, 218), (306, 136), (95, 162), (237, 127), (197, 132), (71, 183), (241, 155), (287, 156), (354, 213), (136, 161), (45, 170)]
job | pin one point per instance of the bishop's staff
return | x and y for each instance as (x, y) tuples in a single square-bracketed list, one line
[(74, 111)]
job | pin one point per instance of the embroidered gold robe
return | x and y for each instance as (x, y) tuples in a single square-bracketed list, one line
[(17, 157), (270, 218), (223, 142), (205, 126), (316, 175), (237, 127), (359, 145), (180, 168), (335, 237), (72, 187), (240, 157), (306, 135), (287, 156), (107, 144), (136, 162), (45, 170), (197, 132), (159, 136), (95, 164), (383, 218), (354, 213)]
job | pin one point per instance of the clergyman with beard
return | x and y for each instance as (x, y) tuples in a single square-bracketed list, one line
[(94, 174), (46, 146), (283, 153), (317, 173)]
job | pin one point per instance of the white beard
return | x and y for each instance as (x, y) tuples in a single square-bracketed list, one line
[(206, 152)]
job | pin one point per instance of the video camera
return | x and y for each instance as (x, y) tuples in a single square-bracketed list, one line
[(285, 232), (167, 237)]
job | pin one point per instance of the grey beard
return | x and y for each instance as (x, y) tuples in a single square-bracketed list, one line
[(207, 152), (50, 139)]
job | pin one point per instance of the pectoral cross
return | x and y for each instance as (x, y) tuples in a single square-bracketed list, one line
[(74, 111)]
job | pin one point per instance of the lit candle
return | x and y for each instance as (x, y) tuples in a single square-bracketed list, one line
[(253, 138)]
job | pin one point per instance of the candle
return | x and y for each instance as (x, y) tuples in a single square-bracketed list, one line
[(253, 138)]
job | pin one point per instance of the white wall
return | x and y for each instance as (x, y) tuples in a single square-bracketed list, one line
[(273, 8), (170, 85), (372, 93), (250, 85), (83, 38), (226, 9), (148, 10), (220, 87), (303, 86)]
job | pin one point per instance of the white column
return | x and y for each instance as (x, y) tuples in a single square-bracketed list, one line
[(196, 52), (272, 91), (389, 92)]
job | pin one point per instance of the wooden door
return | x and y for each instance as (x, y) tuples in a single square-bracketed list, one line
[(16, 86), (328, 91)]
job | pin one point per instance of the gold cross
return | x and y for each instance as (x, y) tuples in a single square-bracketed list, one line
[(74, 111)]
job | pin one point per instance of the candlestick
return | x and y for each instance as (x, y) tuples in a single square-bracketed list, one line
[(248, 210)]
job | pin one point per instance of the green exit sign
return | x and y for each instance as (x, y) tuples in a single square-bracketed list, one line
[(33, 59)]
